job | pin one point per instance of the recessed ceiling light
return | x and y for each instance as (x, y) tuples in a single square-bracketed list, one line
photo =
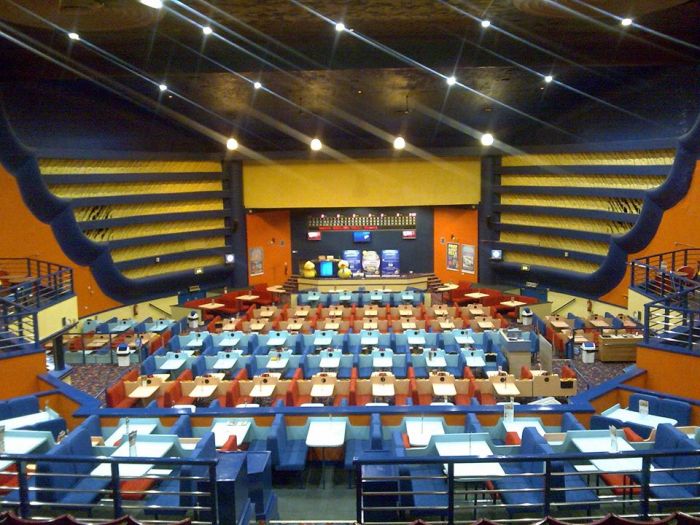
[(231, 144), (451, 81), (399, 143), (74, 36), (485, 23), (155, 4), (257, 85), (487, 139), (316, 145), (163, 87), (207, 30), (626, 22), (548, 78), (340, 27)]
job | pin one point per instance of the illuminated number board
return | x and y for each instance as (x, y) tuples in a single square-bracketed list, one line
[(371, 221)]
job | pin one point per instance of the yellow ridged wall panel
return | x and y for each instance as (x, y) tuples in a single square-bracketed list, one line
[(583, 181), (301, 184), (158, 228), (561, 243), (118, 211), (78, 167), (574, 201), (569, 223), (637, 158), (156, 249), (175, 266), (132, 188), (550, 262)]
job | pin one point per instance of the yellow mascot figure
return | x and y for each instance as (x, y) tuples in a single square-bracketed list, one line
[(309, 270), (344, 270)]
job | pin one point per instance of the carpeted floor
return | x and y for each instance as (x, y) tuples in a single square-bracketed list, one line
[(93, 379)]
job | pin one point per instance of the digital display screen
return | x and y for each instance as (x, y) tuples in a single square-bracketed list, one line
[(361, 237), (408, 234), (313, 236), (325, 269)]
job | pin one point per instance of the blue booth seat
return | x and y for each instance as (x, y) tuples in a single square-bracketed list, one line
[(472, 424), (182, 427), (287, 454), (24, 405), (569, 422)]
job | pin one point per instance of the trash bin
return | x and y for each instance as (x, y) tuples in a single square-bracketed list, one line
[(588, 351), (123, 355), (526, 316), (193, 320)]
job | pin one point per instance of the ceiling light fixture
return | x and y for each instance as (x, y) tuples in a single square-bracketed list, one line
[(340, 27), (207, 30), (486, 139), (451, 81), (163, 87), (74, 36), (485, 23), (626, 22), (257, 85), (316, 145), (548, 78), (155, 4), (231, 144), (399, 143)]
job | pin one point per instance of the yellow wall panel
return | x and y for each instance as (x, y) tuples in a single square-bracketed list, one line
[(157, 228), (154, 208), (78, 167), (300, 184), (568, 159), (175, 266), (583, 181), (569, 223), (154, 250), (551, 262), (562, 243), (572, 201), (132, 188)]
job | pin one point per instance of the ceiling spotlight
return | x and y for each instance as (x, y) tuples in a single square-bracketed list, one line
[(163, 87), (340, 27), (451, 81), (485, 23), (155, 4), (399, 143), (626, 22), (316, 145), (74, 36), (231, 144), (257, 85), (207, 30), (487, 139), (548, 78)]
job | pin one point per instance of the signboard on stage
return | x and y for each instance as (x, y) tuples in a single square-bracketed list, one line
[(468, 258), (370, 263), (354, 259), (390, 262)]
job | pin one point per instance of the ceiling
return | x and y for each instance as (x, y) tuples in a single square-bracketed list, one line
[(356, 90)]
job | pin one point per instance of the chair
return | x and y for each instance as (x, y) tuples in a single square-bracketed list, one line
[(287, 454)]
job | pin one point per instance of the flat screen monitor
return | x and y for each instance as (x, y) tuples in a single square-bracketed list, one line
[(326, 269), (361, 237), (408, 234), (313, 236), (496, 255)]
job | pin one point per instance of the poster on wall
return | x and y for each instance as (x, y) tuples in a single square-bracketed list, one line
[(370, 262), (453, 256), (354, 260), (255, 261), (390, 262), (467, 258)]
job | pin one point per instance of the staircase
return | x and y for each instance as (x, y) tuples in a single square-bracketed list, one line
[(434, 282), (291, 285)]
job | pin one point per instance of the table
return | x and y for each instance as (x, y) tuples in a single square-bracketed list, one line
[(335, 313), (474, 361), (476, 295), (464, 340), (21, 445), (121, 327), (382, 362), (276, 340), (256, 326), (140, 428), (517, 425), (559, 324), (144, 391), (173, 364), (408, 325), (446, 287), (370, 313), (322, 390), (223, 430), (267, 313), (435, 361), (231, 342), (470, 471), (146, 449), (276, 289), (345, 297), (211, 306), (301, 312), (513, 304), (444, 390), (415, 340), (247, 298), (329, 362), (603, 444), (475, 312), (485, 325), (26, 420), (277, 363), (225, 363), (263, 390), (203, 391), (369, 325), (197, 342), (599, 323), (294, 326), (506, 389), (369, 340), (626, 415), (405, 312), (446, 325), (419, 431), (441, 311), (323, 340), (383, 390), (331, 325), (325, 434)]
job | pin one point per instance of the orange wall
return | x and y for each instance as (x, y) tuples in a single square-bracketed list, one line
[(670, 372), (271, 231), (23, 370), (25, 236), (678, 225), (455, 225)]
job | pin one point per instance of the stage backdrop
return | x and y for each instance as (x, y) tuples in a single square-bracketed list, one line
[(415, 255)]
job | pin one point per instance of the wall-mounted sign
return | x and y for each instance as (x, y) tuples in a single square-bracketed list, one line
[(255, 261), (371, 221), (467, 258), (453, 256)]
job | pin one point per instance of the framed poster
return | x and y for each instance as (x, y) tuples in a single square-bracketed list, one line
[(255, 261), (468, 258), (453, 256), (354, 259), (390, 262)]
